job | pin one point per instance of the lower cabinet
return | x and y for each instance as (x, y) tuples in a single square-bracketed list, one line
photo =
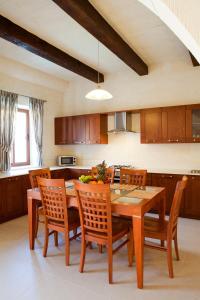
[(192, 198), (76, 173), (61, 174), (13, 192), (168, 181)]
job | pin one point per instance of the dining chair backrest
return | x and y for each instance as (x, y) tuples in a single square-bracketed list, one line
[(54, 202), (94, 203), (133, 176), (176, 205), (33, 174), (110, 173)]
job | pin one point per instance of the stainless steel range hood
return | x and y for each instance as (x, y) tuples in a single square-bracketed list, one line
[(122, 122)]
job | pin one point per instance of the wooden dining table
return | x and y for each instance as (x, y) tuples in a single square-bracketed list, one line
[(126, 200)]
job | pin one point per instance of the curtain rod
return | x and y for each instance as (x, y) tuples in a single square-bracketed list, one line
[(29, 97)]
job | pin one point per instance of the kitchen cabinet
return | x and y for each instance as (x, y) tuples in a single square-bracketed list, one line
[(192, 198), (79, 129), (60, 174), (174, 124), (84, 129), (2, 201), (63, 130), (193, 123), (76, 173), (96, 129), (25, 186), (168, 181), (151, 126)]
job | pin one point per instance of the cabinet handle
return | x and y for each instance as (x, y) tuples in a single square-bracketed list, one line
[(166, 176), (169, 140)]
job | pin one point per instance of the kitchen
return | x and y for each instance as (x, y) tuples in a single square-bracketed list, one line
[(162, 137)]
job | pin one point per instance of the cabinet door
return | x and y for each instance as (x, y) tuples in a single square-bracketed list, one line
[(174, 125), (25, 186), (76, 173), (168, 181), (14, 205), (79, 128), (60, 174), (2, 200), (93, 129), (192, 198), (63, 130), (193, 124), (151, 126)]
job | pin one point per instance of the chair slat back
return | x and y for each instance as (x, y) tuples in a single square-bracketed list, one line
[(176, 204), (133, 176), (53, 194), (110, 173), (33, 174), (94, 207)]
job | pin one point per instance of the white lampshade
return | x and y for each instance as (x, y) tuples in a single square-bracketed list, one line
[(98, 94)]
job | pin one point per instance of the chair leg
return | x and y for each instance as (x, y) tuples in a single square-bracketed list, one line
[(46, 241), (56, 238), (67, 248), (83, 250), (100, 248), (176, 247), (36, 223), (75, 231), (130, 247), (110, 263), (169, 259)]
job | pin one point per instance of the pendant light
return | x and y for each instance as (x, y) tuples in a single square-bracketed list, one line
[(98, 93)]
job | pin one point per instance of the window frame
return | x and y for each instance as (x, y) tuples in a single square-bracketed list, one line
[(27, 162)]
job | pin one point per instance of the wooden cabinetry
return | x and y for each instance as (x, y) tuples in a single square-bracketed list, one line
[(96, 129), (192, 198), (151, 126), (60, 174), (76, 173), (173, 124), (63, 130), (85, 129), (193, 123), (168, 181)]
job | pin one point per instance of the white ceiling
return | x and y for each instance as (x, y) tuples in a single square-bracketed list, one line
[(139, 27)]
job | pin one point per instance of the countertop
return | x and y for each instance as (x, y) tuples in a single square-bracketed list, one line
[(24, 171)]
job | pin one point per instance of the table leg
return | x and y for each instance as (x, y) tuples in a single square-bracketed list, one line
[(162, 207), (138, 234), (31, 221)]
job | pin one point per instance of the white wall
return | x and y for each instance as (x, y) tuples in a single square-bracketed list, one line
[(165, 85), (52, 106)]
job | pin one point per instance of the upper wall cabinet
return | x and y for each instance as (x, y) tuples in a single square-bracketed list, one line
[(193, 124), (173, 124), (85, 129), (63, 130), (151, 126)]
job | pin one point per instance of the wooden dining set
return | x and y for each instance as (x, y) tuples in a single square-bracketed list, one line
[(109, 215)]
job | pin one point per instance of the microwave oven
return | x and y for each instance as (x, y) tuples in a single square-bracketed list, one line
[(66, 160)]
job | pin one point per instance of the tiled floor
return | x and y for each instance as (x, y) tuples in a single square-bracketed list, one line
[(25, 274)]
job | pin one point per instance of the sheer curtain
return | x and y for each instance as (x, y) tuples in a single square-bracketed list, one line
[(8, 110), (37, 112)]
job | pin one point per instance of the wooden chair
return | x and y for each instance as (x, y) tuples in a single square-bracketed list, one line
[(33, 174), (97, 224), (57, 217), (133, 176), (110, 173), (166, 232)]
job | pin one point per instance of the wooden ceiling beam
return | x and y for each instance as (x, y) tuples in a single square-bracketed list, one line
[(88, 17), (194, 60), (25, 39)]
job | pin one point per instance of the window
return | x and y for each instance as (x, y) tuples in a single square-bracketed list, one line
[(21, 144)]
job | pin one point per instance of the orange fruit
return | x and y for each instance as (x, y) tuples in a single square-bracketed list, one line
[(100, 182), (93, 182)]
